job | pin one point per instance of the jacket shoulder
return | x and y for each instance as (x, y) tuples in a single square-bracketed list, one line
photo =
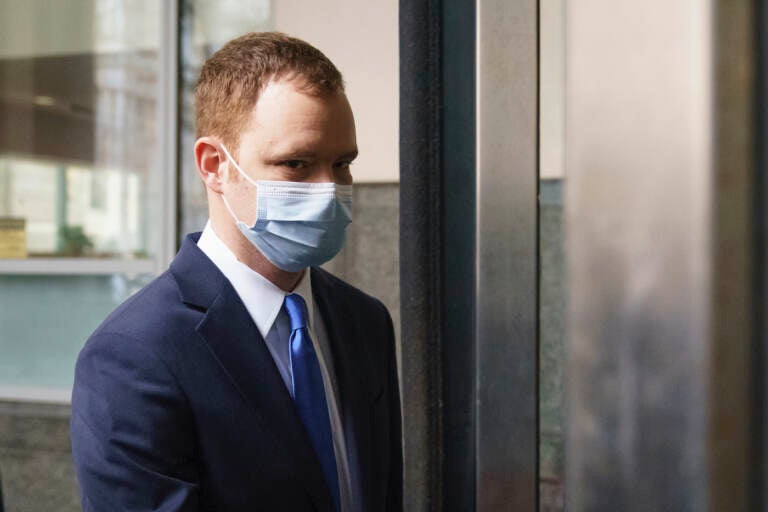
[(151, 317)]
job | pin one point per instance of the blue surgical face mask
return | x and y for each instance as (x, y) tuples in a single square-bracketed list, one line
[(298, 224)]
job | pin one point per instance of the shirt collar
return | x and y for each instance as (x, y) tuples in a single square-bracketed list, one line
[(262, 298)]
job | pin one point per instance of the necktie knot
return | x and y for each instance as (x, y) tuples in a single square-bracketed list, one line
[(297, 311)]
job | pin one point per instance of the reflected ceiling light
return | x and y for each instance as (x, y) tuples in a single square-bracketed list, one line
[(44, 101)]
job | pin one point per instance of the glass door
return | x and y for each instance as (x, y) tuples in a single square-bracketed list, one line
[(83, 178)]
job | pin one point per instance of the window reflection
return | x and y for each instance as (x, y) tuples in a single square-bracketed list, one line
[(78, 114), (71, 210), (81, 186)]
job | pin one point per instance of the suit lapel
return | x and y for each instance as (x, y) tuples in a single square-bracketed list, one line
[(347, 357), (237, 345)]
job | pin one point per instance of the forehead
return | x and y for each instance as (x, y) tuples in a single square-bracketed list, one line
[(284, 116)]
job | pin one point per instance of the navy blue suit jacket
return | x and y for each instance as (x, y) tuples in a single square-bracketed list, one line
[(178, 405)]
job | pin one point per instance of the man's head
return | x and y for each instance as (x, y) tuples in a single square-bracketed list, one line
[(278, 106), (232, 80)]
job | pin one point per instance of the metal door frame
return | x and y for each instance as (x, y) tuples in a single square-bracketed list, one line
[(468, 252)]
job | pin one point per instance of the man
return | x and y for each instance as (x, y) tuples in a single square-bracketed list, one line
[(244, 377)]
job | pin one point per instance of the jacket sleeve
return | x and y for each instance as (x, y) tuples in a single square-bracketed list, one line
[(131, 430), (395, 479)]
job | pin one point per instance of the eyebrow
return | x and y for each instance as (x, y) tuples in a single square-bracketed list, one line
[(350, 154), (299, 154)]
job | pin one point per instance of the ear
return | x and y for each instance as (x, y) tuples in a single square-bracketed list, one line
[(211, 163)]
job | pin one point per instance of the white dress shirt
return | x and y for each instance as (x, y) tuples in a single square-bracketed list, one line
[(264, 302)]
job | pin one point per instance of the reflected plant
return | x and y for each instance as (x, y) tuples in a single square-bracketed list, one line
[(73, 241)]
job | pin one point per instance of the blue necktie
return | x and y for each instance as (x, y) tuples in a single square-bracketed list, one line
[(309, 392)]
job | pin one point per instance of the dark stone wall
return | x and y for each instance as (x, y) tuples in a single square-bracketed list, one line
[(370, 259), (35, 458), (551, 348)]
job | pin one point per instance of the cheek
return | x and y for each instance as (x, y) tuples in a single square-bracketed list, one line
[(344, 177), (242, 198)]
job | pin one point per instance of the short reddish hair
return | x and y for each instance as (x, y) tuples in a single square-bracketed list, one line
[(232, 79)]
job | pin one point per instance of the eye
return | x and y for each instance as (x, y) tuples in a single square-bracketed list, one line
[(294, 164), (343, 164)]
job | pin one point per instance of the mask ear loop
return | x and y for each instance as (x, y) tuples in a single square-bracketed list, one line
[(247, 178), (231, 212), (242, 173)]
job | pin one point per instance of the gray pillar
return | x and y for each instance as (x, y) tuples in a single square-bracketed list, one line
[(659, 246)]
